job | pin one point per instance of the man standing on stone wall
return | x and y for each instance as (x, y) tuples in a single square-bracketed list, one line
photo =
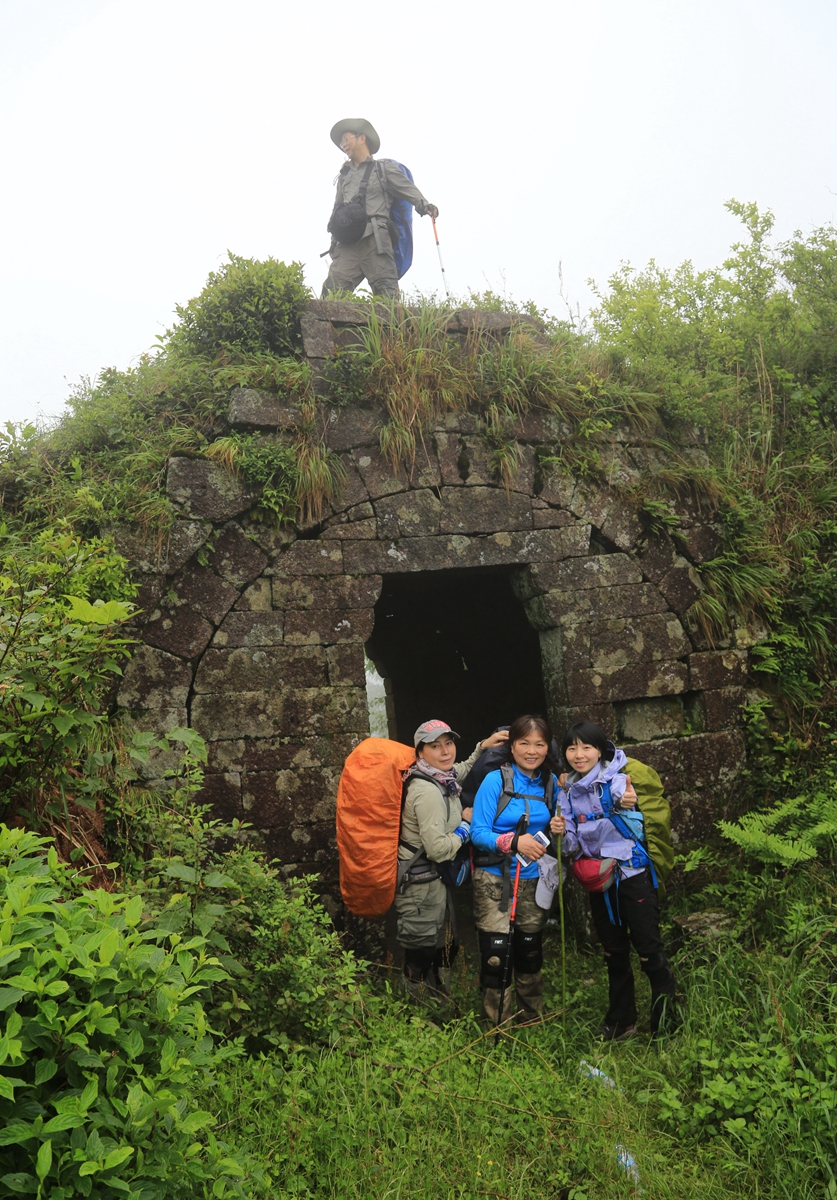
[(361, 247)]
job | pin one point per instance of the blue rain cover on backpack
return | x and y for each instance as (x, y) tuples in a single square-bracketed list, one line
[(401, 216)]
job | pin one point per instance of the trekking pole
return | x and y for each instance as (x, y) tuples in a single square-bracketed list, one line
[(560, 840), (512, 914), (441, 264)]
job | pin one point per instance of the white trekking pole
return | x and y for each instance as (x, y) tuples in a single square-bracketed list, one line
[(441, 264)]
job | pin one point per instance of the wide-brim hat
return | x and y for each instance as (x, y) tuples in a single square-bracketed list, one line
[(430, 730), (357, 125)]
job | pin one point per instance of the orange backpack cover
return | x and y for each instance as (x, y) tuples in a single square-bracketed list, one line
[(368, 824)]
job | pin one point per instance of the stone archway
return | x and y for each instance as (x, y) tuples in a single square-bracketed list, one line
[(256, 637)]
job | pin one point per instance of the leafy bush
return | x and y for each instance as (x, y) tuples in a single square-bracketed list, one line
[(104, 1036), (248, 307), (58, 654), (289, 977)]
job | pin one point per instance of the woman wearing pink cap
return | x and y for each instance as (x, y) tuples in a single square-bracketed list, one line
[(434, 829)]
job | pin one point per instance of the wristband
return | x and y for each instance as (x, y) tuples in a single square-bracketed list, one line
[(504, 843), (463, 832)]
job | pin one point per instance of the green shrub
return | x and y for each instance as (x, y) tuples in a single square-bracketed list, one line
[(103, 1039), (58, 654), (289, 977), (247, 307)]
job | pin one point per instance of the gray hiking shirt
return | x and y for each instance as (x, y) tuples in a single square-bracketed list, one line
[(398, 186), (427, 821)]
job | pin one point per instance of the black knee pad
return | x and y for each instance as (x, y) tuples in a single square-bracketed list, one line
[(494, 954), (445, 956), (528, 952), (418, 961)]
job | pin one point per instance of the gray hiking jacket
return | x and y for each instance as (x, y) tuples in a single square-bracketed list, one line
[(398, 186), (424, 821)]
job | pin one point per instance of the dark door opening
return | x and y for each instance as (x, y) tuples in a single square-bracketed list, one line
[(456, 645)]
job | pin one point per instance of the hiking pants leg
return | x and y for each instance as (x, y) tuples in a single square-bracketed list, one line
[(493, 927), (640, 907), (621, 1007), (345, 272), (350, 265), (639, 910)]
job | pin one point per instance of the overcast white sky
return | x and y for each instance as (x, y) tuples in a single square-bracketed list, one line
[(143, 138)]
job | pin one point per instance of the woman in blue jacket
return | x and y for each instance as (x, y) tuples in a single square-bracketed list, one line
[(512, 805)]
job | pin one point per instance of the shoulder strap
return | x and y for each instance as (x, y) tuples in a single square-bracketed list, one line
[(364, 183), (507, 775)]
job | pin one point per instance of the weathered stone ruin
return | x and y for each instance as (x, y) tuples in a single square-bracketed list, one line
[(475, 603)]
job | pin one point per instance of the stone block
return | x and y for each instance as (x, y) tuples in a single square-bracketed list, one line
[(348, 428), (722, 708), (558, 488), (272, 539), (622, 526), (409, 514), (616, 643), (246, 669), (699, 543), (346, 666), (251, 409), (309, 845), (425, 471), (309, 558), (717, 669), (250, 629), (154, 679), (205, 592), (225, 757), (343, 528), (223, 792), (160, 555), (575, 644), (443, 553), (551, 518), (352, 490), (484, 510), (150, 589), (694, 815), (591, 504), (202, 489), (287, 712), (657, 557), (681, 586), (258, 597), (317, 336), (712, 760), (579, 574), (647, 720), (549, 611), (335, 592), (180, 631), (553, 672), (280, 754), (596, 686), (603, 715), (664, 756), (379, 477), (474, 462), (235, 557), (449, 453), (300, 796), (328, 626)]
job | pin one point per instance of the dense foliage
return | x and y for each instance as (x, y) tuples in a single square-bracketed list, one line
[(194, 1027)]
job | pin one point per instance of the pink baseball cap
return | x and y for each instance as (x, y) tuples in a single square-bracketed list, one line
[(430, 730)]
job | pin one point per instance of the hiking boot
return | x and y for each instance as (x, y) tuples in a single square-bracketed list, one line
[(615, 1033)]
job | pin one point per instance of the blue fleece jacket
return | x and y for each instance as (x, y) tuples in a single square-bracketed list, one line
[(486, 827)]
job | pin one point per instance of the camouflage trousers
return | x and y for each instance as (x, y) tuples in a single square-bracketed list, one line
[(529, 919), (350, 265)]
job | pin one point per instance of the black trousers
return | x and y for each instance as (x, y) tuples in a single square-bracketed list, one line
[(636, 909)]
